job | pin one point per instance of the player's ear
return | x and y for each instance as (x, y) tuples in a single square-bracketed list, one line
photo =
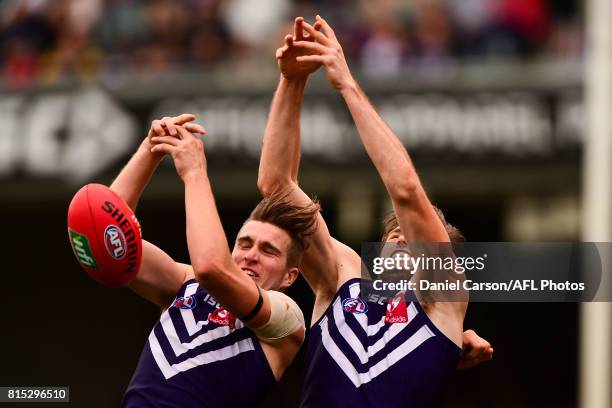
[(290, 277)]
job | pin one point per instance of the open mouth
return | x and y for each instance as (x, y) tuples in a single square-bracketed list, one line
[(400, 252), (251, 272)]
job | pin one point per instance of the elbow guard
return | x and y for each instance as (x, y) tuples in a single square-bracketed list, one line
[(285, 317)]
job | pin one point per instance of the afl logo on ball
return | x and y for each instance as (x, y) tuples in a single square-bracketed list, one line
[(114, 240)]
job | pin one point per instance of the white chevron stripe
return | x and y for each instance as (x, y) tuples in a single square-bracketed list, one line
[(170, 370), (375, 328), (372, 329), (352, 339), (178, 347), (393, 357), (190, 323)]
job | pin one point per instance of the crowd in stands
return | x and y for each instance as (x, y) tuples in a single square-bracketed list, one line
[(45, 41)]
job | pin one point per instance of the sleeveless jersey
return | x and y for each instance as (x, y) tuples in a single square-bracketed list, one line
[(198, 355), (360, 356)]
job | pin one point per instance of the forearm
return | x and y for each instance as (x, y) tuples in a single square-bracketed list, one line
[(134, 177), (280, 154), (206, 239), (211, 260), (382, 145)]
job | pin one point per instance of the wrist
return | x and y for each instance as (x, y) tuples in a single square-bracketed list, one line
[(194, 176), (144, 150), (298, 83), (348, 87)]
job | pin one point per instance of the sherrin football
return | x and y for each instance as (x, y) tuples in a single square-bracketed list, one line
[(105, 235)]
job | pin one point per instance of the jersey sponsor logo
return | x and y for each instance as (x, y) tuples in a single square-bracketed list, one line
[(354, 305), (223, 317), (188, 302), (397, 312), (114, 240), (82, 250)]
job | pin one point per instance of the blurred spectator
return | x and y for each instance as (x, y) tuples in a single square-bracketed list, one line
[(44, 41), (387, 39), (210, 39), (163, 48), (25, 35), (251, 22), (434, 35), (472, 19), (522, 26), (72, 21), (567, 37)]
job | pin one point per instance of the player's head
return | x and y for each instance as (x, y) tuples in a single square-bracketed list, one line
[(393, 233), (271, 242)]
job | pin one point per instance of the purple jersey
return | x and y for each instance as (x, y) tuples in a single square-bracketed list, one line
[(375, 354), (198, 355)]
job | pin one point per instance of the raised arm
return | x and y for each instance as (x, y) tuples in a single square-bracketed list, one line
[(280, 157), (159, 277), (384, 148), (209, 252), (416, 216)]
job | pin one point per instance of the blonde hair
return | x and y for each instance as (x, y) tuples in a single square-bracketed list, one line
[(300, 222)]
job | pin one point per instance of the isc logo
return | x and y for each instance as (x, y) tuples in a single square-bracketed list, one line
[(114, 240)]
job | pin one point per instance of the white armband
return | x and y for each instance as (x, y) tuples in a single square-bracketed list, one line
[(285, 317)]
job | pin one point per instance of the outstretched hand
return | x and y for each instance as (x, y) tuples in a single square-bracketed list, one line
[(476, 350), (168, 125), (326, 50), (286, 56), (187, 152)]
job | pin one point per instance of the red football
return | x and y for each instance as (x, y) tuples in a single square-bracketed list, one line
[(105, 235)]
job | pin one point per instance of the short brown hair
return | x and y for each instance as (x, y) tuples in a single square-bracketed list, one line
[(390, 223), (300, 222)]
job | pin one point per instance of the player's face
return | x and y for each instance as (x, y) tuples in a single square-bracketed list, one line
[(396, 236), (261, 251), (397, 243)]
